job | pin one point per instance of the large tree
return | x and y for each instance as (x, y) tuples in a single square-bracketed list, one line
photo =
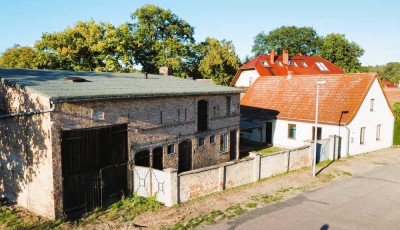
[(340, 51), (303, 40), (219, 60), (19, 57), (161, 39), (88, 46)]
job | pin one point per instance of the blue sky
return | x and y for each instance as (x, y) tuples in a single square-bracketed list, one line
[(374, 25)]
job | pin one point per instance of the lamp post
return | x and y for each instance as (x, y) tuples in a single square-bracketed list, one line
[(318, 83)]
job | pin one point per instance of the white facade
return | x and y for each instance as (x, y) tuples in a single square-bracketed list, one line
[(247, 77), (351, 134), (381, 115)]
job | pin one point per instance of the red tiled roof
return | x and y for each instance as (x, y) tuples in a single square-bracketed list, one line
[(389, 84), (274, 69), (295, 98), (392, 94)]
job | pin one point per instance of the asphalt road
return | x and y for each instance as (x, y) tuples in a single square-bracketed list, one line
[(367, 201)]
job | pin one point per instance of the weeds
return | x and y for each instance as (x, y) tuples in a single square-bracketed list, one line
[(10, 219)]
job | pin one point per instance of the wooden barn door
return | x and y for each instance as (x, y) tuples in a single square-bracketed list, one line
[(94, 167)]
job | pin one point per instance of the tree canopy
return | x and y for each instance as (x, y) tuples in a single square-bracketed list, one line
[(389, 72), (340, 51), (88, 46), (219, 61), (19, 57), (161, 39), (303, 40)]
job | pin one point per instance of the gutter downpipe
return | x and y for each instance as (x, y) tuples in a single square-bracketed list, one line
[(348, 139), (51, 109)]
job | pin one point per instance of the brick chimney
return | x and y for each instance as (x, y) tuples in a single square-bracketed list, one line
[(164, 70), (285, 57), (272, 56)]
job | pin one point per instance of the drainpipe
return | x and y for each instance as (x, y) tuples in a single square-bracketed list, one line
[(51, 109), (348, 139)]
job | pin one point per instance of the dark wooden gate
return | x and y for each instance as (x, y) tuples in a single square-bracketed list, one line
[(94, 167), (185, 156), (268, 133), (232, 145)]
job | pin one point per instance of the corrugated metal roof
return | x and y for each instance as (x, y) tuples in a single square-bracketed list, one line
[(101, 85)]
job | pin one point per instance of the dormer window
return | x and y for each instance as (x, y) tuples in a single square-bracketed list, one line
[(321, 66), (280, 63), (264, 63), (294, 64), (304, 64)]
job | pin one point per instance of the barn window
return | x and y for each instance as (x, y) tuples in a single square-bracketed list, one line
[(228, 106), (171, 149), (212, 139), (202, 113), (201, 142), (223, 143)]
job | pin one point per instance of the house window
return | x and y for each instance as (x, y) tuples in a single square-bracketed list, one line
[(280, 63), (378, 132), (201, 142), (319, 133), (212, 139), (171, 149), (294, 64), (223, 143), (179, 114), (362, 135), (228, 106), (292, 131), (264, 63), (321, 66), (304, 64), (202, 115), (161, 117), (371, 107)]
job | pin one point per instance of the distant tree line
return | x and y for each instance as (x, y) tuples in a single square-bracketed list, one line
[(156, 37), (305, 40)]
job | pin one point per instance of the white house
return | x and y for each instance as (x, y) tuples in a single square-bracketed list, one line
[(281, 111)]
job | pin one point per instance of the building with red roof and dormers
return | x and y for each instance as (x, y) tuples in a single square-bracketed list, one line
[(273, 64), (353, 108)]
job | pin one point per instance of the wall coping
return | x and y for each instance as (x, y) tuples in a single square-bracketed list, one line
[(249, 158)]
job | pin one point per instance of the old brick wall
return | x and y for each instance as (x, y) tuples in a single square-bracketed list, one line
[(152, 123), (26, 174)]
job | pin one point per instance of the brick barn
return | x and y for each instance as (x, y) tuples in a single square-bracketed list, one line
[(68, 139)]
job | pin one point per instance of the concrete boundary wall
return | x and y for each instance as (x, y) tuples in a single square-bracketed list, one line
[(200, 182)]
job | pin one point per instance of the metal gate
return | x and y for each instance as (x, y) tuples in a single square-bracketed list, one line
[(94, 168), (148, 182)]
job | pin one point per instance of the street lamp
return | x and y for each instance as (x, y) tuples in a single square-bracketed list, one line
[(318, 83)]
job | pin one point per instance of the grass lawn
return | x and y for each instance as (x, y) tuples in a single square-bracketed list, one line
[(271, 150)]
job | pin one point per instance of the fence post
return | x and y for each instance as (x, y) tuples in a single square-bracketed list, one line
[(171, 186), (221, 178), (332, 147), (256, 165)]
